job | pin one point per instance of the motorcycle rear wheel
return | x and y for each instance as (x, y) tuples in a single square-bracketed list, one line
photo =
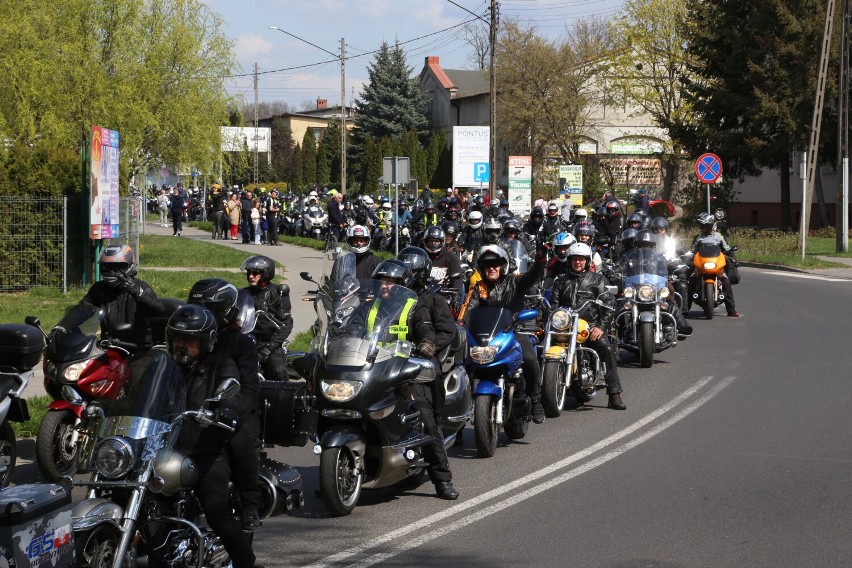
[(55, 455), (709, 300), (646, 344), (553, 388), (485, 427), (8, 453), (516, 430), (340, 480)]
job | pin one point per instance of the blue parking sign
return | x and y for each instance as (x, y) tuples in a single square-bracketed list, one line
[(481, 172)]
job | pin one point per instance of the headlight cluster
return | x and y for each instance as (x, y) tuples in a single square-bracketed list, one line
[(114, 457), (482, 355), (646, 293), (560, 320), (340, 391), (709, 266), (664, 293), (72, 372)]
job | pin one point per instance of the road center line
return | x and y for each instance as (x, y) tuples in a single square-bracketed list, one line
[(544, 486), (510, 487)]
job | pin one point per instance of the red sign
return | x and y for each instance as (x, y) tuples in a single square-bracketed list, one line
[(708, 168)]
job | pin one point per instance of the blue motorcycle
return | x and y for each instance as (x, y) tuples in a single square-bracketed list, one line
[(496, 371)]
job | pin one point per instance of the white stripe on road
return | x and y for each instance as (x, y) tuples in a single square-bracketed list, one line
[(544, 486), (510, 487)]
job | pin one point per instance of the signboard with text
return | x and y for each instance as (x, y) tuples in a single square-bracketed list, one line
[(635, 171), (239, 138), (103, 174), (571, 184), (470, 156), (520, 184)]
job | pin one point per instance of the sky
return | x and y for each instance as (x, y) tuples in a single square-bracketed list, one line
[(295, 72)]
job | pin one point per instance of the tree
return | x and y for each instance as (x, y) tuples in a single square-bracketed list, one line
[(283, 147), (323, 172), (477, 36), (331, 146), (309, 157)]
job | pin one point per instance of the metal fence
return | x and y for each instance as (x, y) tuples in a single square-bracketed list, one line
[(44, 240)]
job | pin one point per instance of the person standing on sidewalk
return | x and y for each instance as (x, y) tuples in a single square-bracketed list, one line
[(256, 218), (163, 206), (217, 207), (273, 208), (176, 200), (234, 213)]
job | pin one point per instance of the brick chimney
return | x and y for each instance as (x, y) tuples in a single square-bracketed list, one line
[(432, 60), (322, 103)]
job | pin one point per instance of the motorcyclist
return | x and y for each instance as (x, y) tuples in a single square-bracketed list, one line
[(500, 288), (553, 221), (471, 235), (707, 224), (635, 221), (572, 290), (274, 322), (359, 243), (512, 230), (418, 261), (558, 265), (124, 298), (384, 218), (666, 244), (534, 227), (585, 233), (430, 216), (451, 232), (191, 340), (446, 268), (612, 222)]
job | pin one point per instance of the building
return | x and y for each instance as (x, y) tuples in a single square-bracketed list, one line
[(316, 120)]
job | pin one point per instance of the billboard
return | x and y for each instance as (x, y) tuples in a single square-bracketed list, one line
[(520, 184), (236, 138), (470, 156), (103, 175), (635, 171)]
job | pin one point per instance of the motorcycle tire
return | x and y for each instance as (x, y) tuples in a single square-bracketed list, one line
[(104, 555), (709, 300), (646, 344), (516, 430), (8, 453), (99, 549), (340, 481), (554, 375), (55, 456), (485, 428)]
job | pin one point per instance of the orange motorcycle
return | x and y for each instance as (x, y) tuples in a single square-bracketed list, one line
[(705, 285)]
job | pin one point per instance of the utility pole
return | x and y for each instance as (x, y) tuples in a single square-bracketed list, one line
[(342, 116), (816, 124), (492, 122), (255, 124), (841, 194)]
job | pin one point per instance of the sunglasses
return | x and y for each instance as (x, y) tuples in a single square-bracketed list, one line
[(255, 272)]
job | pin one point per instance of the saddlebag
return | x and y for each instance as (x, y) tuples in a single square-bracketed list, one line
[(35, 526), (20, 346), (288, 418), (280, 488), (732, 270)]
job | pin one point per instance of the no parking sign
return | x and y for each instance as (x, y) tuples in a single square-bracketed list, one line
[(708, 168)]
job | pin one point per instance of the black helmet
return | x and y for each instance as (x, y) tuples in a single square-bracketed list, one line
[(512, 225), (635, 221), (584, 229), (217, 295), (450, 228), (395, 270), (417, 260), (645, 239), (434, 233), (613, 209), (628, 236), (537, 215), (659, 223), (189, 322), (262, 264), (116, 261), (491, 230)]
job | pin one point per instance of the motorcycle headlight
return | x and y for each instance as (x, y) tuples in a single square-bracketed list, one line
[(482, 355), (664, 293), (560, 320), (709, 266), (646, 293), (628, 292), (114, 457), (340, 391), (72, 372), (49, 369)]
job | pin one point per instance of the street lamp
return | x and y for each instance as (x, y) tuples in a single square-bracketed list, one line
[(342, 57)]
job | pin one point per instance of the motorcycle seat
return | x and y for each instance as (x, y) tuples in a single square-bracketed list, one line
[(447, 356)]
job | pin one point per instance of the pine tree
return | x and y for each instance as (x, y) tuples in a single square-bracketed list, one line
[(323, 172), (309, 157)]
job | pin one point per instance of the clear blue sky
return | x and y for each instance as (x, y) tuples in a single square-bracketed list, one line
[(293, 71)]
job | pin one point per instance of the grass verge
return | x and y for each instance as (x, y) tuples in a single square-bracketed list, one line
[(37, 406), (782, 248)]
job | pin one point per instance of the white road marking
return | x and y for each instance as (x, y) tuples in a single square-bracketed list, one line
[(511, 487), (544, 486)]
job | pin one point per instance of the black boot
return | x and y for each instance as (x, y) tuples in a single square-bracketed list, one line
[(537, 409), (445, 490), (250, 521), (615, 402)]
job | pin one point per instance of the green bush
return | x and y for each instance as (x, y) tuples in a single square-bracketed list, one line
[(37, 406)]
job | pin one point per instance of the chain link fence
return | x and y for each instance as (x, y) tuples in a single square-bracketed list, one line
[(44, 240)]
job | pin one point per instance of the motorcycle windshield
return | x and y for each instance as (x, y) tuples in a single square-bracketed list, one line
[(382, 314), (315, 213), (246, 316), (75, 335), (518, 253), (485, 323), (709, 250), (645, 266), (339, 289)]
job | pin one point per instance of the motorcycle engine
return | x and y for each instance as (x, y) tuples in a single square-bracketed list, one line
[(182, 550)]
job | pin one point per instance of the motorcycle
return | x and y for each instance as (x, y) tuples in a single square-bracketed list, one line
[(20, 351), (314, 223), (645, 325), (140, 500), (369, 432), (709, 265), (497, 376), (569, 366)]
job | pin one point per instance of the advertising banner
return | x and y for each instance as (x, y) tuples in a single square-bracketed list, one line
[(635, 171), (520, 184), (470, 156), (571, 184), (236, 139), (103, 172)]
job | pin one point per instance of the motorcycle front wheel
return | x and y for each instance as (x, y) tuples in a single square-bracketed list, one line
[(709, 300), (340, 480), (56, 455), (99, 549), (485, 427), (646, 344), (553, 387), (8, 453)]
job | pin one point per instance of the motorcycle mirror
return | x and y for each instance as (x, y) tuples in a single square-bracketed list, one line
[(611, 289), (527, 315), (70, 395), (33, 321), (227, 389), (307, 277), (283, 290)]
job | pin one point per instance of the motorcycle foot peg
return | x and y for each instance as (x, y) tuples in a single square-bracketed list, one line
[(721, 296), (695, 296)]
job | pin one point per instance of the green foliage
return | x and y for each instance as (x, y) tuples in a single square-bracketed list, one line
[(37, 406), (309, 157), (323, 171)]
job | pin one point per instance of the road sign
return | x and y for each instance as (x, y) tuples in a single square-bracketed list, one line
[(708, 168), (481, 172)]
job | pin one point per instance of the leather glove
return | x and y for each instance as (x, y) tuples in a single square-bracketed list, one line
[(263, 354), (227, 416), (427, 348), (129, 286)]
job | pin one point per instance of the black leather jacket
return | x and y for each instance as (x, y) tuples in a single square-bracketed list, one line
[(509, 292), (572, 290), (275, 324), (120, 306)]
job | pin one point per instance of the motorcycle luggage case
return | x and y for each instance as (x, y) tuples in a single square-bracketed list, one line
[(287, 484), (35, 526), (288, 422), (20, 346)]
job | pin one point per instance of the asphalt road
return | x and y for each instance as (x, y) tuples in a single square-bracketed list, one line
[(733, 452)]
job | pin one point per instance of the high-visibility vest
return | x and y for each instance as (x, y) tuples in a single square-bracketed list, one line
[(401, 329)]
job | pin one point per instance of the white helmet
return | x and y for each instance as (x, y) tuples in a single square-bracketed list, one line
[(581, 249), (561, 245), (386, 206), (358, 231), (581, 213), (368, 200), (313, 194), (492, 253), (474, 220)]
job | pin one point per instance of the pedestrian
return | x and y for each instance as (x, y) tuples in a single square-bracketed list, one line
[(163, 206), (176, 200), (256, 218), (234, 210)]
